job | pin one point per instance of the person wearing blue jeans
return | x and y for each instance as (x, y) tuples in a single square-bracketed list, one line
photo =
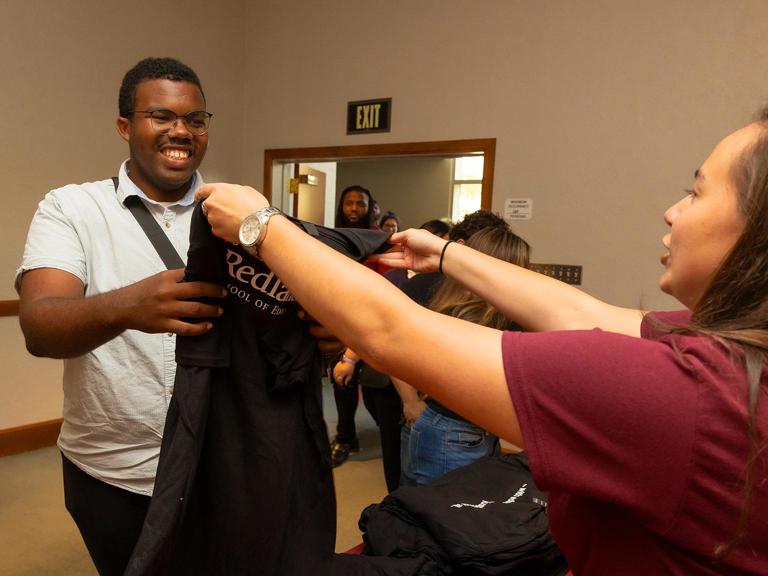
[(435, 440), (440, 441)]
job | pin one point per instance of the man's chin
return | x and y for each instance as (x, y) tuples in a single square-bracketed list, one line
[(173, 180), (173, 187)]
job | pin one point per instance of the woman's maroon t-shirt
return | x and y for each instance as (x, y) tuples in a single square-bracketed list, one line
[(642, 445)]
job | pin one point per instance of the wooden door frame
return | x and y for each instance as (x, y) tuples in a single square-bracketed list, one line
[(443, 148)]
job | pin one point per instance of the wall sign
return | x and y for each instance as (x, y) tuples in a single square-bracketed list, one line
[(518, 209), (366, 116)]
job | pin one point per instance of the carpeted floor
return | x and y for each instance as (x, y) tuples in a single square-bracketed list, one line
[(38, 538)]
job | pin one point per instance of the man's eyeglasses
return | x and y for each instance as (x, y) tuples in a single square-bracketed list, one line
[(164, 120)]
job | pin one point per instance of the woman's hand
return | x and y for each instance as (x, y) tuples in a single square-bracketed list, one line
[(343, 373), (420, 251), (412, 410), (226, 205)]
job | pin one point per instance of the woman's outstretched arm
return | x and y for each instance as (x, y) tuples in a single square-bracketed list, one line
[(536, 302), (385, 327)]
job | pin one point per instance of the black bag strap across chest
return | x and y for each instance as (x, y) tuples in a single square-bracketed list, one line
[(152, 229)]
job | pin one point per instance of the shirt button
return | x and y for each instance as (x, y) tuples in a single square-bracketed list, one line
[(168, 224), (170, 390), (170, 334)]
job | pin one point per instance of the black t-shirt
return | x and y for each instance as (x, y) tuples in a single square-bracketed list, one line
[(422, 287), (244, 482), (487, 517)]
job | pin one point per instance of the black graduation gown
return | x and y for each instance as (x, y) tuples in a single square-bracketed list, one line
[(244, 483)]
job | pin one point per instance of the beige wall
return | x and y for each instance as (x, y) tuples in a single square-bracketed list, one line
[(416, 189), (30, 387), (602, 109)]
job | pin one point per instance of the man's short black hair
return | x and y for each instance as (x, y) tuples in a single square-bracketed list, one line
[(153, 69), (479, 220)]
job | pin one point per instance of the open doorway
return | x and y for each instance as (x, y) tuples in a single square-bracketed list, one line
[(282, 165)]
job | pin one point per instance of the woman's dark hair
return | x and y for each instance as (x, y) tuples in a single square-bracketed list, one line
[(389, 215), (374, 214), (365, 220), (437, 227), (453, 299), (734, 308)]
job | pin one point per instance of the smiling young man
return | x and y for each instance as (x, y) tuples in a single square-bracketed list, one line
[(95, 292)]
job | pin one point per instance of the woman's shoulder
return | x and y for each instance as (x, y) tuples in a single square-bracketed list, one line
[(657, 323)]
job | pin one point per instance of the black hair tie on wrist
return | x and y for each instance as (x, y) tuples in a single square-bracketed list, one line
[(442, 255)]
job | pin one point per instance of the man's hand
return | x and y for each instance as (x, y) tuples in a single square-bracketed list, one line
[(162, 303), (327, 342)]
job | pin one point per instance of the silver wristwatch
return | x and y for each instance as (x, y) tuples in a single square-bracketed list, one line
[(253, 228)]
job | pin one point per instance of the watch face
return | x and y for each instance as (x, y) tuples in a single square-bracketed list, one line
[(250, 230)]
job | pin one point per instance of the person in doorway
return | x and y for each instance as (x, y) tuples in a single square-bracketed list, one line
[(647, 429), (389, 222), (352, 211), (95, 292)]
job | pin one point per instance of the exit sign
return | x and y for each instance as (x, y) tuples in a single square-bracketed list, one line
[(365, 116)]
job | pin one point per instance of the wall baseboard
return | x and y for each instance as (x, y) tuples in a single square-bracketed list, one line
[(29, 437)]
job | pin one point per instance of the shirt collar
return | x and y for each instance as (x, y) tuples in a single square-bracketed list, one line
[(128, 188)]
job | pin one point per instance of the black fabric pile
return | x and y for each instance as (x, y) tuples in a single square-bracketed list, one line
[(485, 518)]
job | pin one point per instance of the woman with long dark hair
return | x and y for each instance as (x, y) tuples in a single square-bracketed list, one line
[(647, 429), (440, 440)]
